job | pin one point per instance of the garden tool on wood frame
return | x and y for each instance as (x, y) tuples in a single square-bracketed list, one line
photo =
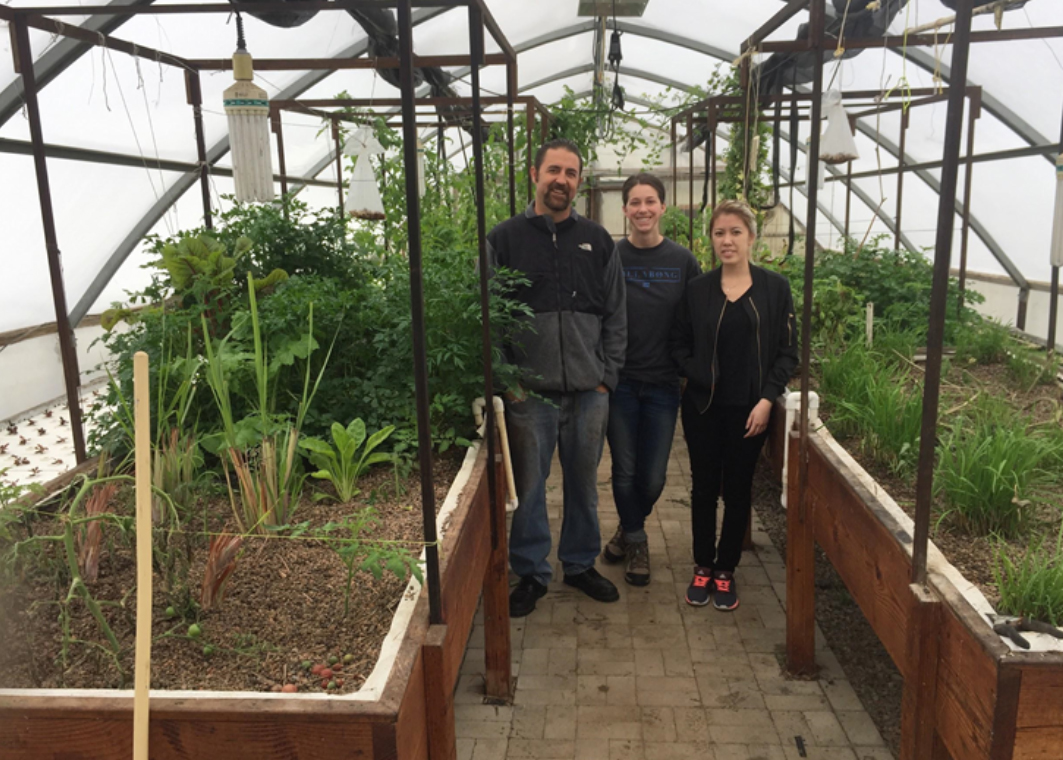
[(1012, 626)]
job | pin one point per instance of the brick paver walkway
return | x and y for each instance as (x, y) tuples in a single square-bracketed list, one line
[(650, 677)]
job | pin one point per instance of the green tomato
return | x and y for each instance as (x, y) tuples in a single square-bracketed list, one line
[(348, 659), (333, 659), (208, 650), (194, 631), (171, 612)]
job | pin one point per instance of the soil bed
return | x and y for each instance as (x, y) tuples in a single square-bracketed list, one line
[(876, 680), (283, 605)]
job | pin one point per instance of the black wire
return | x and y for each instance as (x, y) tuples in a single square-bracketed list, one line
[(241, 44)]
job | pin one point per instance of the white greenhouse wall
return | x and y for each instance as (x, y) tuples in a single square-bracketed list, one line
[(31, 371)]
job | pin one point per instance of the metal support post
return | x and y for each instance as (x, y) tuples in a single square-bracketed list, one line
[(675, 172), (67, 346), (900, 180), (511, 93), (961, 45), (420, 360), (339, 159), (690, 179), (800, 597), (278, 130), (968, 183)]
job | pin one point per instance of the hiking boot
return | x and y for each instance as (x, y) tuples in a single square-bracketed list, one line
[(522, 599), (637, 572), (700, 589), (591, 583), (616, 550), (726, 593)]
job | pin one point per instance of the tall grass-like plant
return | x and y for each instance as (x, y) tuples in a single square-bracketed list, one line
[(982, 342), (259, 452), (989, 475), (1032, 585), (888, 420), (845, 377)]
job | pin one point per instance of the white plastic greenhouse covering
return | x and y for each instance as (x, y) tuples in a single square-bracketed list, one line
[(108, 101)]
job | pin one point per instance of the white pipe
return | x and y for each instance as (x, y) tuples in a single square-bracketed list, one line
[(500, 421)]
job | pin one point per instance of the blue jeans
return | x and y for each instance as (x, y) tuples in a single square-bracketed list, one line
[(641, 426), (576, 426)]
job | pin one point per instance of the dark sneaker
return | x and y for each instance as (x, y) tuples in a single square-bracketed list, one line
[(522, 599), (638, 564), (616, 550), (591, 583), (700, 589), (725, 596)]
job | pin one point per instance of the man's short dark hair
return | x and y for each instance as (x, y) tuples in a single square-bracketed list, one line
[(642, 178), (557, 142)]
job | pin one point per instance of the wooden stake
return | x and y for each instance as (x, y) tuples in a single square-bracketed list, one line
[(870, 324), (142, 662)]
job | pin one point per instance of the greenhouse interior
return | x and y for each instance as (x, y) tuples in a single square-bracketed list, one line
[(379, 301)]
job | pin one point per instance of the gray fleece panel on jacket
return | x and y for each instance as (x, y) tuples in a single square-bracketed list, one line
[(577, 338)]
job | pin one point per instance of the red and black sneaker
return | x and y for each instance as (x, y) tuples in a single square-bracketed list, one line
[(726, 594), (700, 589)]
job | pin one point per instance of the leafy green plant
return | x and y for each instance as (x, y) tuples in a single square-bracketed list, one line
[(888, 420), (982, 342), (846, 376), (1031, 585), (339, 465), (989, 476), (261, 449), (356, 553)]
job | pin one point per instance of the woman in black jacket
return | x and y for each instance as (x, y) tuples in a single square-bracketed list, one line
[(735, 341)]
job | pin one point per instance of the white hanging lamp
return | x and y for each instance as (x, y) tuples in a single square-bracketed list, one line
[(1057, 220), (247, 108), (837, 145), (363, 192)]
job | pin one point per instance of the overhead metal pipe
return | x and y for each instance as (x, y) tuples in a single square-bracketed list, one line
[(924, 483), (195, 99), (420, 359), (67, 345)]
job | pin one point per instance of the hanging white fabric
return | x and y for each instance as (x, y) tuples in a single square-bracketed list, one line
[(247, 109), (837, 145), (363, 192), (1057, 220)]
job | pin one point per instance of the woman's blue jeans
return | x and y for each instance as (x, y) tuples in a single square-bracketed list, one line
[(574, 423), (641, 427)]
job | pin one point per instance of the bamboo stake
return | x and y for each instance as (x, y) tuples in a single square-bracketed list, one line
[(142, 661)]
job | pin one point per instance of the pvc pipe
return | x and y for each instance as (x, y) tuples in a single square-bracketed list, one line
[(500, 421)]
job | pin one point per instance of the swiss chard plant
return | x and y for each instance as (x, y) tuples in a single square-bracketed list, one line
[(344, 462)]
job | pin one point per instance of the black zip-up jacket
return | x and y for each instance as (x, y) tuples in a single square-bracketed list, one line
[(578, 335), (770, 308)]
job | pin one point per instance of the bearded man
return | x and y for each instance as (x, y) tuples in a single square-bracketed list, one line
[(570, 358)]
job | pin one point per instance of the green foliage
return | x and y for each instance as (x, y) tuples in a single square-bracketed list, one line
[(1030, 368), (887, 420), (356, 553), (338, 465), (990, 473), (1031, 585), (846, 376), (982, 342)]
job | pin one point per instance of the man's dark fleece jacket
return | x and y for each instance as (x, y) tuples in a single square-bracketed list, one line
[(578, 335)]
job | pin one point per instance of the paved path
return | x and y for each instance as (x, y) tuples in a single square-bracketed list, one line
[(650, 677)]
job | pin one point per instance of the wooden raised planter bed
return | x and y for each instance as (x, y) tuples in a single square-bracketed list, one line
[(968, 694), (403, 708)]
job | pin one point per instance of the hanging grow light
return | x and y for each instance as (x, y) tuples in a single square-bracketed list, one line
[(363, 193), (247, 109)]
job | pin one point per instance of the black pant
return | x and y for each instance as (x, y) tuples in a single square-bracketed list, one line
[(721, 459)]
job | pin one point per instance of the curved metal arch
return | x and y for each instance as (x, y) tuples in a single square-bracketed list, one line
[(59, 57), (892, 148), (214, 154), (864, 198)]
